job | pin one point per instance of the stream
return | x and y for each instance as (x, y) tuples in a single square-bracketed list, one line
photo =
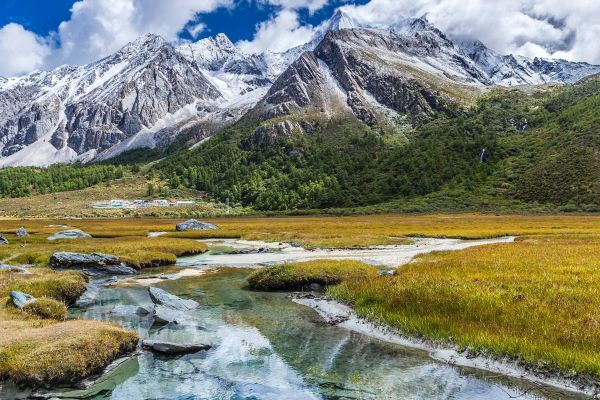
[(265, 346)]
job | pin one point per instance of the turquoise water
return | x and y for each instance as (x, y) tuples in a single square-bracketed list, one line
[(267, 347)]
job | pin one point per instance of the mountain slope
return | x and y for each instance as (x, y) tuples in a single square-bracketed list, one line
[(514, 150)]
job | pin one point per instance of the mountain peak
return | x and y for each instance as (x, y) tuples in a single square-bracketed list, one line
[(341, 20), (223, 41), (148, 43)]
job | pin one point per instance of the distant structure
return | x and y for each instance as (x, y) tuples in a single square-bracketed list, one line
[(118, 204)]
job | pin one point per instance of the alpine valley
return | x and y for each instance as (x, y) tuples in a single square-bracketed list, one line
[(400, 116)]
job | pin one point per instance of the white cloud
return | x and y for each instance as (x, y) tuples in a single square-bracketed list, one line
[(280, 33), (99, 27), (311, 5), (558, 28), (96, 28), (20, 50)]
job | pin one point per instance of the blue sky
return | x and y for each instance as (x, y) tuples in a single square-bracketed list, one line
[(43, 34)]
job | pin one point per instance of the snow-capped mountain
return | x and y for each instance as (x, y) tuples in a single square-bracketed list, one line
[(388, 76), (78, 112), (149, 92), (511, 70)]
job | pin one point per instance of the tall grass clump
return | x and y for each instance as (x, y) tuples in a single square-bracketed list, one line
[(300, 274)]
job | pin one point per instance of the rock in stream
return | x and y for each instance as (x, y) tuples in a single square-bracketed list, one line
[(91, 264)]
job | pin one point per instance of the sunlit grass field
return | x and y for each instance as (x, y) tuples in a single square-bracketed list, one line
[(536, 300), (330, 231)]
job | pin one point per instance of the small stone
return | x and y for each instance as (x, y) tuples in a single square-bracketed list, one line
[(20, 299), (21, 232), (70, 234), (3, 240), (314, 286)]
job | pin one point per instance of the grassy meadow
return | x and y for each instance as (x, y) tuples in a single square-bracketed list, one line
[(536, 301), (76, 203)]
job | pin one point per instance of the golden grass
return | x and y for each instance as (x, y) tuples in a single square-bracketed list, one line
[(39, 353), (46, 308), (139, 252), (37, 350), (300, 274), (329, 231), (536, 300), (63, 286)]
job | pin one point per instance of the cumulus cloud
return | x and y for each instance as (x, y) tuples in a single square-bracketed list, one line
[(20, 50), (529, 27), (280, 33), (100, 27)]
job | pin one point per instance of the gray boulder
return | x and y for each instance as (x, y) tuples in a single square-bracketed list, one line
[(173, 348), (69, 234), (3, 240), (195, 225), (21, 232), (130, 310), (20, 299), (164, 298), (165, 315), (91, 264)]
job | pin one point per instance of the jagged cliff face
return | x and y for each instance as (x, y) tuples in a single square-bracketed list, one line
[(375, 75), (149, 92), (405, 72), (75, 111)]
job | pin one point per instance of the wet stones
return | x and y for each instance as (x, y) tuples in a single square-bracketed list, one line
[(130, 310), (164, 298), (173, 348), (3, 240)]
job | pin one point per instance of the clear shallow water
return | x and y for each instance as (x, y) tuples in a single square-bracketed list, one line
[(267, 347)]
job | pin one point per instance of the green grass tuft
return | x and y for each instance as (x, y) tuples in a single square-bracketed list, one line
[(47, 308), (297, 275)]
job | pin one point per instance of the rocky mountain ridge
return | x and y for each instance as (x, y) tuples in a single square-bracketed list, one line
[(149, 92)]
